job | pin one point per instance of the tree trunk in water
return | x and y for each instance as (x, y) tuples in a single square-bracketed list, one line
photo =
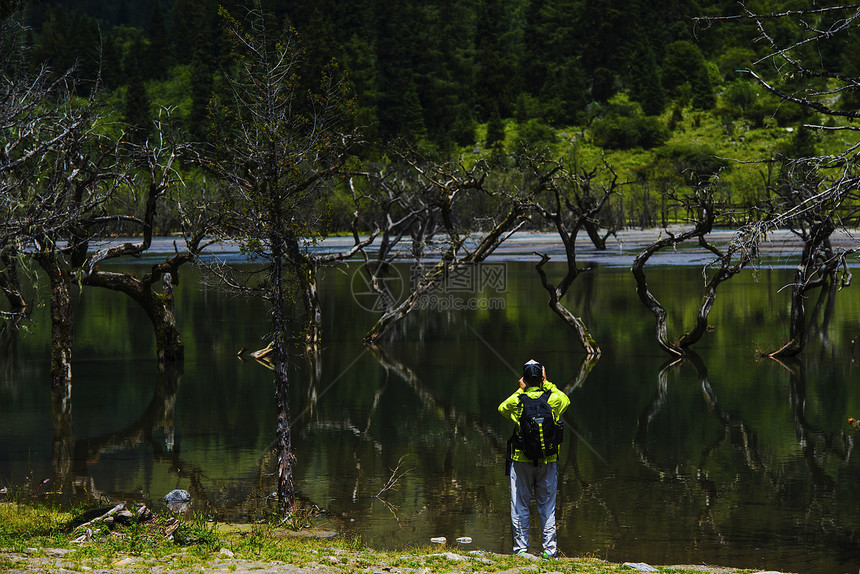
[(653, 305), (62, 334), (158, 307), (286, 490), (593, 232), (585, 339), (556, 293), (11, 288), (818, 240), (62, 435), (797, 325), (62, 325), (167, 340), (313, 309)]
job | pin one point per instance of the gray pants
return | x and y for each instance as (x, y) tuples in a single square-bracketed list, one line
[(543, 481)]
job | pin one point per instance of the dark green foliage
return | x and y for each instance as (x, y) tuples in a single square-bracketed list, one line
[(53, 45), (685, 65), (435, 69), (495, 130), (495, 60), (535, 133), (689, 164), (801, 145), (645, 84), (395, 82), (624, 125), (564, 94), (850, 64), (604, 33), (112, 75), (136, 113), (413, 116), (158, 53), (196, 38), (701, 90)]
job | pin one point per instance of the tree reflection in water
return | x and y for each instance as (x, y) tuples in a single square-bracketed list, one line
[(710, 464)]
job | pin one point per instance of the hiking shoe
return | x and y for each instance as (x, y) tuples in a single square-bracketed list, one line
[(547, 556)]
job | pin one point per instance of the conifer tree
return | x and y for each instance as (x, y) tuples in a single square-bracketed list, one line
[(413, 116), (495, 130), (535, 50), (645, 85), (495, 66), (603, 34), (53, 47), (194, 32), (136, 112), (685, 64), (157, 53), (111, 62), (395, 61)]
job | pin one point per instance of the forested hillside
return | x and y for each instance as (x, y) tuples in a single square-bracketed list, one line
[(436, 71)]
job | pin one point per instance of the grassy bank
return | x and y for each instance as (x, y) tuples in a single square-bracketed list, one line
[(40, 538)]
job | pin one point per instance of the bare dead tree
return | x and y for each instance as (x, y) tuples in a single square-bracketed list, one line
[(400, 206), (574, 205), (278, 156), (822, 266), (818, 191), (727, 264), (56, 171), (449, 185), (156, 161), (65, 181)]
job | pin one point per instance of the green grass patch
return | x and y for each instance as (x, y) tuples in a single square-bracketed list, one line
[(40, 533)]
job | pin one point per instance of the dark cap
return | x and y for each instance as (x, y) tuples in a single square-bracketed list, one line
[(533, 373)]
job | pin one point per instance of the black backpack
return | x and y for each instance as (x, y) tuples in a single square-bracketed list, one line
[(539, 435)]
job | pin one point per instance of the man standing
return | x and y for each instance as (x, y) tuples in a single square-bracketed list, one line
[(536, 409)]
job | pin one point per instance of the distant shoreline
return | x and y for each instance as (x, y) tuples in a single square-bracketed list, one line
[(782, 248)]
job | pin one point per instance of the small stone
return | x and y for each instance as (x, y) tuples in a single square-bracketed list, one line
[(56, 551), (439, 540), (464, 540), (528, 555), (450, 556), (640, 566), (177, 495), (226, 553)]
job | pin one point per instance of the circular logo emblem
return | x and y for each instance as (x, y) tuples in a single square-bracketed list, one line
[(381, 295)]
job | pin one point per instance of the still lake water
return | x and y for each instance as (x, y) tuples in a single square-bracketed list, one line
[(730, 459)]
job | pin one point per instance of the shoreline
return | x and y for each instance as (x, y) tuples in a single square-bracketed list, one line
[(780, 249)]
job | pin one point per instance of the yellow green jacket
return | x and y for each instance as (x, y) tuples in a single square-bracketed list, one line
[(511, 408)]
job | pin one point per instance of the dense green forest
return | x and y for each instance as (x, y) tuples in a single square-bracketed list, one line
[(641, 83), (446, 73)]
